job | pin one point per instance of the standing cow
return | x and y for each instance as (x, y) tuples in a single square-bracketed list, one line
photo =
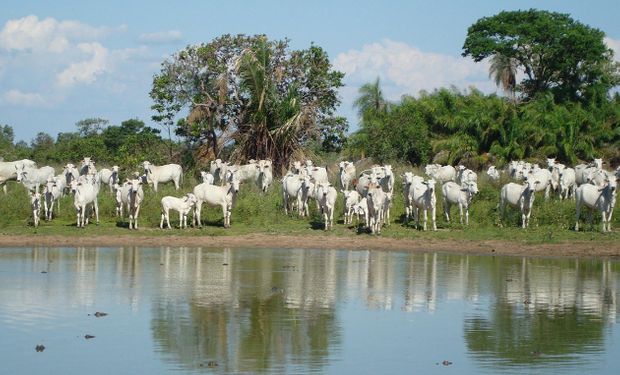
[(164, 173)]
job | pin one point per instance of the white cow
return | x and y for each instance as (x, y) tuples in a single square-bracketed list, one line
[(85, 197), (543, 177), (183, 205), (32, 178), (109, 176), (387, 205), (71, 174), (440, 173), (567, 183), (326, 195), (600, 198), (35, 206), (119, 192), (213, 195), (87, 166), (52, 193), (306, 191), (518, 196), (8, 170), (134, 200), (351, 199), (318, 174), (423, 197), (245, 172), (291, 188), (164, 173), (219, 169), (265, 174), (409, 179), (493, 173), (207, 178), (459, 195), (347, 174), (465, 175), (365, 179), (376, 204)]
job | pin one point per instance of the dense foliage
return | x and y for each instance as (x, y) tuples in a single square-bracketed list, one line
[(556, 53), (250, 93)]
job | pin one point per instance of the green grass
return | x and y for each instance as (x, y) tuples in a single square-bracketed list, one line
[(551, 222)]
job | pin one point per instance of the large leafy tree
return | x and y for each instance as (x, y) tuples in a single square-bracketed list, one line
[(247, 91), (555, 52)]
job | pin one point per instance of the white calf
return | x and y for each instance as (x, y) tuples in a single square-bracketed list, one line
[(182, 205), (326, 195), (212, 195), (351, 198), (35, 205), (362, 209), (600, 198), (164, 173), (459, 195), (567, 183), (265, 175), (518, 196), (135, 198)]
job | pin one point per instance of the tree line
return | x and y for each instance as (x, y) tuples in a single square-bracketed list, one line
[(242, 97)]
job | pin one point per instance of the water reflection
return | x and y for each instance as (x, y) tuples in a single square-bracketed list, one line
[(295, 311)]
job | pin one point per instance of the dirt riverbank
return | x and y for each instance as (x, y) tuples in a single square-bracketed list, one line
[(566, 249)]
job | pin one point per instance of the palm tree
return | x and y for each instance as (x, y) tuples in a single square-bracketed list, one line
[(370, 99), (503, 70)]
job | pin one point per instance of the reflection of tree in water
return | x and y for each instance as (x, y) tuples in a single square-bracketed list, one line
[(545, 311), (247, 321)]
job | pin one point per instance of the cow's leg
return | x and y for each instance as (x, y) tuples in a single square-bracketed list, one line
[(467, 215), (434, 216), (461, 212), (604, 220), (425, 218), (446, 210), (161, 222), (577, 214), (135, 217), (196, 220), (96, 206)]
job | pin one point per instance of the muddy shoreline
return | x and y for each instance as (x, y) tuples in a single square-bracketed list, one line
[(489, 247)]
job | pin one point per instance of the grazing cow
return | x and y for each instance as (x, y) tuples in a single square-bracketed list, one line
[(493, 173), (164, 173), (351, 198), (326, 195), (207, 178), (35, 205), (134, 198), (8, 170), (32, 178), (291, 188), (86, 191), (362, 209), (459, 195), (212, 195), (465, 175), (567, 183), (409, 179), (376, 203), (600, 198), (52, 193), (182, 205), (87, 167), (265, 174), (440, 173), (423, 197), (543, 176), (347, 174), (518, 196)]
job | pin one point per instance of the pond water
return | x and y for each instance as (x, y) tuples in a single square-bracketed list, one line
[(200, 310)]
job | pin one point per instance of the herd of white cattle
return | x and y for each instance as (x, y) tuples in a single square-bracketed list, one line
[(368, 196)]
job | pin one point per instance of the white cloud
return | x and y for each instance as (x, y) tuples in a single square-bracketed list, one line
[(23, 99), (162, 37), (614, 44), (405, 69), (46, 35), (85, 71)]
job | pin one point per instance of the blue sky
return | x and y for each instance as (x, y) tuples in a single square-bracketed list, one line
[(63, 61)]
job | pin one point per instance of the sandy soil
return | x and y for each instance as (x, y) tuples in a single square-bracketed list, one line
[(579, 249)]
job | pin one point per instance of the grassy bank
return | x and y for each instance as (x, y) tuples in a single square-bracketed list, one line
[(551, 222)]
